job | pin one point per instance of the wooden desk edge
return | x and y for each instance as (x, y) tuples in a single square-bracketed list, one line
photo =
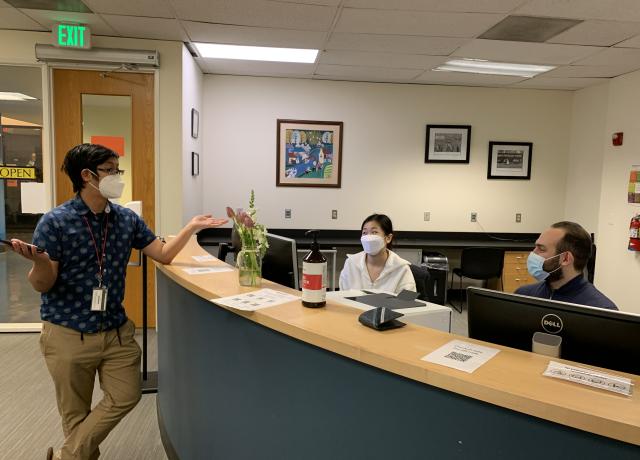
[(623, 426)]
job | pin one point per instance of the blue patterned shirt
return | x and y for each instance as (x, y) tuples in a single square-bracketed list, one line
[(64, 233)]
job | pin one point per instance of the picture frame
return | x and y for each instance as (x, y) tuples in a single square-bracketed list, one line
[(195, 164), (510, 160), (448, 144), (308, 153), (195, 123)]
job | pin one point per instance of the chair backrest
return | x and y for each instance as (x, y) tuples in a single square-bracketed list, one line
[(420, 275), (482, 263)]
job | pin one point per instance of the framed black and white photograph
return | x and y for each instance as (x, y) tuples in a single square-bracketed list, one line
[(447, 144), (195, 123), (195, 164), (510, 160)]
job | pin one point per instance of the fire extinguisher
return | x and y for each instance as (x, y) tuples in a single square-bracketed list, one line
[(634, 233)]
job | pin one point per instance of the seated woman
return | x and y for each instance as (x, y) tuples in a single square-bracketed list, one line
[(377, 267)]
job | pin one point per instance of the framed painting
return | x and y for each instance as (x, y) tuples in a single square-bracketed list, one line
[(510, 160), (447, 144), (309, 153)]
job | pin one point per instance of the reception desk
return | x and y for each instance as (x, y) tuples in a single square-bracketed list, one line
[(289, 382)]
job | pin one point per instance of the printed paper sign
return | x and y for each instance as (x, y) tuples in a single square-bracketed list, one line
[(464, 356)]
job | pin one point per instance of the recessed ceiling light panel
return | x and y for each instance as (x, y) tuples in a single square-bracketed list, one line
[(5, 96), (493, 68), (256, 53)]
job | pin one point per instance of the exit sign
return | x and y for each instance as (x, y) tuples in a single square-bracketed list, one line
[(72, 36)]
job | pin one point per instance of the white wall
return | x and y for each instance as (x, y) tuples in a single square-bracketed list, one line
[(191, 98), (588, 139), (383, 155), (618, 269), (18, 47)]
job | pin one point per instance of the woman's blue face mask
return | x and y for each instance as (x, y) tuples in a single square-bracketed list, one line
[(535, 264)]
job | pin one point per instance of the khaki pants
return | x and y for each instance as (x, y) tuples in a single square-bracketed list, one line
[(72, 362)]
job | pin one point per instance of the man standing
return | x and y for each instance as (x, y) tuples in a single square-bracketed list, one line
[(80, 252), (561, 253)]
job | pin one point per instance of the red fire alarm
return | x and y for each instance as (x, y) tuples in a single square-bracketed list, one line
[(617, 139)]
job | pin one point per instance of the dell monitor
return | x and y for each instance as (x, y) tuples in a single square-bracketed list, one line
[(595, 336), (280, 262)]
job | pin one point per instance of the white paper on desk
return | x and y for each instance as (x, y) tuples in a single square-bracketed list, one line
[(203, 258), (252, 301), (206, 270), (464, 356)]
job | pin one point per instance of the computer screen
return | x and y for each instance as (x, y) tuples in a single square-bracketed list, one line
[(595, 336), (280, 262)]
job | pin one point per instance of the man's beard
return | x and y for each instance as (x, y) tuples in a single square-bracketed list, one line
[(553, 275)]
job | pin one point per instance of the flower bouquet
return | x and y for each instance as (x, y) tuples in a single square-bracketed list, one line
[(253, 238)]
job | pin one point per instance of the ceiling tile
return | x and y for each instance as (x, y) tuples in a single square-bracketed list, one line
[(435, 46), (312, 2), (528, 29), (592, 71), (256, 36), (49, 18), (534, 53), (154, 28), (237, 67), (16, 20), (148, 8), (54, 5), (261, 13), (470, 79), (631, 43), (367, 73), (4, 4), (415, 23), (597, 33), (616, 10), (559, 83), (612, 56), (402, 61), (460, 6)]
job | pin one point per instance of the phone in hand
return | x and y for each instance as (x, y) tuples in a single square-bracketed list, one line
[(38, 249)]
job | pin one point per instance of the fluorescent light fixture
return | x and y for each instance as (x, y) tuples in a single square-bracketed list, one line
[(493, 68), (4, 96), (256, 53)]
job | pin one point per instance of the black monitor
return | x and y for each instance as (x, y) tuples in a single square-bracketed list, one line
[(595, 336), (280, 262)]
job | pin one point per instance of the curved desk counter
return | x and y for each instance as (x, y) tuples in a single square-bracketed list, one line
[(289, 382)]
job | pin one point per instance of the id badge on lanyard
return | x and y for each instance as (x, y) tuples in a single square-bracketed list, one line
[(99, 299)]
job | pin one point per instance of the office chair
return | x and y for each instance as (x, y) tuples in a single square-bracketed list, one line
[(421, 276), (479, 264), (233, 247)]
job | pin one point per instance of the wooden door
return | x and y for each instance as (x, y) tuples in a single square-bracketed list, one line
[(69, 86)]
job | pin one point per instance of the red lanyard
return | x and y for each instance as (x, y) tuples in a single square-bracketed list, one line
[(100, 259)]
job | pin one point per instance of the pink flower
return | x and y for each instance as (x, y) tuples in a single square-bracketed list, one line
[(248, 222), (230, 213)]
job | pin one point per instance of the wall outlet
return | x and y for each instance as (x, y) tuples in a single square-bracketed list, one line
[(427, 216), (474, 217), (287, 213), (518, 217), (334, 213)]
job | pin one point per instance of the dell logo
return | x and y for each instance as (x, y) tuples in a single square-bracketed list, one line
[(552, 323)]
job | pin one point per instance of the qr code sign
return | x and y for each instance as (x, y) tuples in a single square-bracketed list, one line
[(458, 356)]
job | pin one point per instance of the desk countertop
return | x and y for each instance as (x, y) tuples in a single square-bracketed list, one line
[(512, 379)]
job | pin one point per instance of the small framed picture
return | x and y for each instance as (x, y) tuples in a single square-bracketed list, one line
[(195, 123), (195, 164), (510, 160), (447, 144)]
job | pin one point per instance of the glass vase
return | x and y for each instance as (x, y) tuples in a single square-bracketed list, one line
[(249, 266)]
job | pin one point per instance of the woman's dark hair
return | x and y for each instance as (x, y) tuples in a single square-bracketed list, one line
[(385, 224), (85, 156)]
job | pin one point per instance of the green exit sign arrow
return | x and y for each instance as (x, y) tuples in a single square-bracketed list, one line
[(72, 36)]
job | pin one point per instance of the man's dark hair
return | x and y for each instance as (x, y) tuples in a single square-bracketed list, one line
[(384, 222), (85, 156), (577, 241)]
